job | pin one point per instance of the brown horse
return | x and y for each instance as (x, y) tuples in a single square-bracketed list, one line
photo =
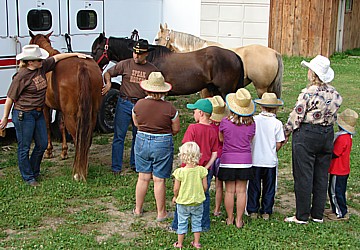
[(74, 88), (216, 69), (263, 66)]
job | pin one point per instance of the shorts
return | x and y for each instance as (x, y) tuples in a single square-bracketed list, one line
[(154, 154)]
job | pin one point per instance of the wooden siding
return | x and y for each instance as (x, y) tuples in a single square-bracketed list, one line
[(303, 27), (351, 35)]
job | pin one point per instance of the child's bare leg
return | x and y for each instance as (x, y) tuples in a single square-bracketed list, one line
[(218, 195), (240, 201), (181, 239), (197, 238), (229, 201)]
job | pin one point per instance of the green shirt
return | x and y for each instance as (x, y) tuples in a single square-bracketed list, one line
[(191, 191)]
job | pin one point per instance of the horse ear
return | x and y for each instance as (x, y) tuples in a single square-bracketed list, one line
[(31, 34), (165, 26), (161, 27), (48, 35)]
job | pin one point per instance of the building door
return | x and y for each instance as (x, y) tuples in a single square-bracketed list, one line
[(235, 23)]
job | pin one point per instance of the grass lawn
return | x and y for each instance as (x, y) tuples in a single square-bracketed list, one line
[(64, 214)]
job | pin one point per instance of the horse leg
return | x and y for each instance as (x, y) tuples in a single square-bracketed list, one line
[(48, 152), (64, 148)]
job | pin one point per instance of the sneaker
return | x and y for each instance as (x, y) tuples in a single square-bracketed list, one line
[(265, 216), (253, 215), (34, 184), (334, 217), (171, 229), (317, 220), (293, 219), (116, 173)]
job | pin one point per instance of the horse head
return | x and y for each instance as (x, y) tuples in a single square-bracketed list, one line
[(44, 42), (165, 37)]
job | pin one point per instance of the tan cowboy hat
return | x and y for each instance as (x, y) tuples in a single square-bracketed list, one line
[(321, 66), (347, 120), (240, 102), (269, 100), (32, 52), (155, 83), (219, 108)]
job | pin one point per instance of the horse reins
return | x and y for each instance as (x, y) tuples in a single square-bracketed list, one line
[(105, 54), (167, 38)]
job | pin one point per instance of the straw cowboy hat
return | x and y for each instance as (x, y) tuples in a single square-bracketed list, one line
[(240, 102), (347, 120), (321, 66), (219, 108), (32, 52), (155, 83), (140, 47), (269, 100)]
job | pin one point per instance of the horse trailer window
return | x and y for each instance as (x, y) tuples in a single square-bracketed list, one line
[(39, 20), (86, 19)]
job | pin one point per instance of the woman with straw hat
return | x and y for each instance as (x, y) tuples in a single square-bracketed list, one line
[(154, 146), (311, 123), (27, 92), (237, 131)]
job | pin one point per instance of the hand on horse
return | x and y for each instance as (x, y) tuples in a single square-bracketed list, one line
[(106, 89), (84, 56)]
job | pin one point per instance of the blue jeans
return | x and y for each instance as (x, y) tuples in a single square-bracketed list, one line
[(154, 154), (32, 126), (205, 221), (266, 176), (123, 117), (186, 212)]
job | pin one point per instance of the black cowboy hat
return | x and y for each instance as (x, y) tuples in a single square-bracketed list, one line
[(141, 46)]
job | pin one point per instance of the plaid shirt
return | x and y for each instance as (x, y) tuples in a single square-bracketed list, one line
[(315, 105)]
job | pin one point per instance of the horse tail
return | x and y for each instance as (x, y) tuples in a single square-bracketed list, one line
[(83, 126), (275, 86), (240, 83)]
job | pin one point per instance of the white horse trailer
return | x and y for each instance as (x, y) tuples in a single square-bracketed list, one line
[(75, 25)]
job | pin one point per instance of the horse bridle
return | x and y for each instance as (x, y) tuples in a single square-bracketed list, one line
[(167, 38), (105, 53)]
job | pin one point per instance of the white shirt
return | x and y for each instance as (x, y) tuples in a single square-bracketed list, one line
[(269, 131)]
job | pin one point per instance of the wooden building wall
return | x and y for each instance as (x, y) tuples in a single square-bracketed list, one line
[(351, 34), (303, 27)]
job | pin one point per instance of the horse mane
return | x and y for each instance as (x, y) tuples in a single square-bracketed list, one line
[(119, 47), (157, 53), (187, 40)]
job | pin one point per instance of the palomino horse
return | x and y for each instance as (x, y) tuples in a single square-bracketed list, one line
[(214, 68), (262, 66), (74, 88)]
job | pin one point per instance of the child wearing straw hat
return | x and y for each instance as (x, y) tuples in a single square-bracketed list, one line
[(340, 165), (237, 131), (268, 139), (219, 112)]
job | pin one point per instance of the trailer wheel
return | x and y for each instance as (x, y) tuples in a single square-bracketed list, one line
[(106, 115)]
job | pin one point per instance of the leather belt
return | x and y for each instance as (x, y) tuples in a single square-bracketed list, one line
[(130, 99)]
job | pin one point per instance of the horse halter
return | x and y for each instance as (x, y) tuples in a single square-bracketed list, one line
[(167, 38), (105, 53)]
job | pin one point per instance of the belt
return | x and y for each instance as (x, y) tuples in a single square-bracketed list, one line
[(39, 109), (130, 99)]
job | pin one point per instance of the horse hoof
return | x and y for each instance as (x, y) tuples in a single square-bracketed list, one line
[(48, 155), (64, 157)]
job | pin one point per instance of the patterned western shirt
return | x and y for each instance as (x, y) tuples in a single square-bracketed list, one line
[(315, 105)]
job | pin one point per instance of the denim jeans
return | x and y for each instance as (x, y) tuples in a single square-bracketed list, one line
[(123, 117), (32, 126), (205, 221), (186, 212), (154, 154)]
